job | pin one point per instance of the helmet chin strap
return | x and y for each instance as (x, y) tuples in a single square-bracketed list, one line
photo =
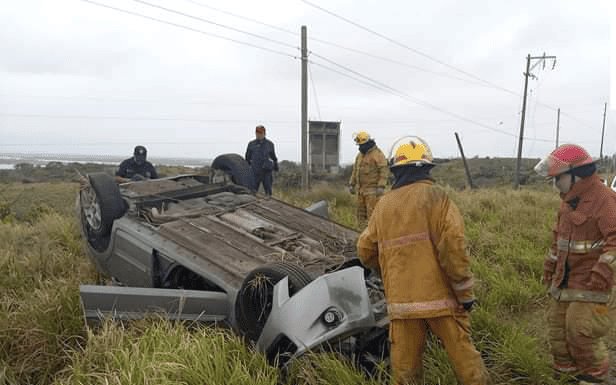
[(572, 178)]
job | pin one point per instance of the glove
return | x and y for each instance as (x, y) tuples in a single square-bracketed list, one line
[(549, 265), (468, 306), (137, 177), (380, 191), (601, 274), (597, 282), (352, 189), (276, 166)]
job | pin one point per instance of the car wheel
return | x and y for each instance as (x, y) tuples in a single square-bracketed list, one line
[(101, 203), (236, 167), (254, 299)]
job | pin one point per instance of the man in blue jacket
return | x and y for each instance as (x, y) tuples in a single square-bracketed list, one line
[(262, 158)]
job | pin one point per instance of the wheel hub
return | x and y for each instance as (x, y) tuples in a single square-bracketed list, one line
[(91, 208)]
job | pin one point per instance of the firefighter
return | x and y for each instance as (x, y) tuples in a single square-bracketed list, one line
[(579, 268), (415, 238), (369, 176)]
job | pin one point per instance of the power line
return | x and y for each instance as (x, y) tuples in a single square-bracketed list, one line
[(115, 117), (369, 79), (72, 144), (359, 77), (576, 119), (112, 117), (416, 51), (326, 42), (415, 100), (397, 62), (314, 91), (242, 17), (191, 29), (166, 101), (420, 53), (352, 77), (177, 100), (217, 24), (481, 81)]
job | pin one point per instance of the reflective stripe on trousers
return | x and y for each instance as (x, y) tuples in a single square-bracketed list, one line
[(400, 310)]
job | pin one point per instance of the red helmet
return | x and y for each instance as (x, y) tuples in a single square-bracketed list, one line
[(563, 159)]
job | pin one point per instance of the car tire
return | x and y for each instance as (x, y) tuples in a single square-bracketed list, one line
[(100, 204), (253, 304), (237, 168)]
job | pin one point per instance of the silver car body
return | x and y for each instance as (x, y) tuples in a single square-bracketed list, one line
[(184, 240)]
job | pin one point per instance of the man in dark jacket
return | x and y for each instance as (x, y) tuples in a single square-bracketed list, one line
[(262, 158), (136, 168)]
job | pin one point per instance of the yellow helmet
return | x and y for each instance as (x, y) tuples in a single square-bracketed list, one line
[(361, 137), (410, 151)]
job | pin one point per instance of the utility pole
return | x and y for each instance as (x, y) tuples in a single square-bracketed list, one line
[(516, 184), (603, 133), (527, 74), (466, 169), (557, 127), (305, 169)]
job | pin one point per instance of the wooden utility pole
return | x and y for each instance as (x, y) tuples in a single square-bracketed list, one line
[(557, 127), (541, 59), (519, 161), (603, 133), (305, 166), (466, 169)]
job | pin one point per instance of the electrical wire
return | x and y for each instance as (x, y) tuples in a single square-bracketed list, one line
[(242, 17), (217, 24), (270, 50), (115, 117), (384, 87), (314, 91), (436, 60), (481, 80), (392, 91), (416, 51), (46, 144), (330, 43), (371, 82)]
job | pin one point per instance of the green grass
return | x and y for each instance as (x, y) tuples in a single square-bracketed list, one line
[(43, 339), (41, 266), (162, 353)]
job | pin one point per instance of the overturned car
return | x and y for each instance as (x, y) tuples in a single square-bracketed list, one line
[(206, 248)]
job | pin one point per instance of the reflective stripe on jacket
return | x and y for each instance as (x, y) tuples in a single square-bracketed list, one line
[(584, 241), (416, 237)]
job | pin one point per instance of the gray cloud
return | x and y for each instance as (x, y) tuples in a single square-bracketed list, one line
[(72, 58)]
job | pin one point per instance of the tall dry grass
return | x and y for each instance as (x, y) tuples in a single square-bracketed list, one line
[(43, 338), (508, 233), (162, 353), (41, 266)]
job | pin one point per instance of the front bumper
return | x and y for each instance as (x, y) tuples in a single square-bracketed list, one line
[(332, 306)]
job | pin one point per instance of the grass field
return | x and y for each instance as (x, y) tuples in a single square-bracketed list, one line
[(43, 339)]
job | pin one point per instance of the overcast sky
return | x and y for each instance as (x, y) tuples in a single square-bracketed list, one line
[(81, 79)]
